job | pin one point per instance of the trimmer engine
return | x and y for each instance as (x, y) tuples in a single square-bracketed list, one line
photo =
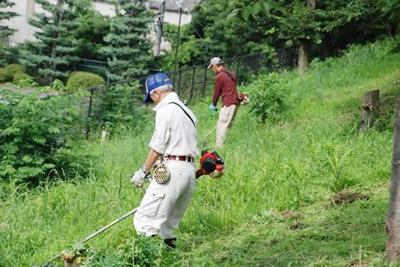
[(210, 163), (243, 99)]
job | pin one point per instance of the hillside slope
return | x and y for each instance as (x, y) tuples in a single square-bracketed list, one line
[(273, 207)]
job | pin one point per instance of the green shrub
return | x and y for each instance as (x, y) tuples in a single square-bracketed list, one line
[(73, 73), (14, 68), (268, 97), (24, 80), (5, 76), (84, 80), (34, 132), (21, 76)]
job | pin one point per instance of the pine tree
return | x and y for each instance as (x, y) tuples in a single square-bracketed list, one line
[(6, 15), (129, 49), (5, 53), (54, 50)]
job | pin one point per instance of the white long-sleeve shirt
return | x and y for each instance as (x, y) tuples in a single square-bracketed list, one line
[(174, 134)]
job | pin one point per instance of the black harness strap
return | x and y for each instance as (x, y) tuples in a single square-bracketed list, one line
[(185, 113)]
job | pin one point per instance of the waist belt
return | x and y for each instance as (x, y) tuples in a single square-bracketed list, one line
[(180, 158)]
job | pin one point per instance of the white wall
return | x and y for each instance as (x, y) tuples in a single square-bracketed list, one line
[(173, 18), (104, 9)]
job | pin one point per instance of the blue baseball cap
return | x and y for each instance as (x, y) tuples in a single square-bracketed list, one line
[(154, 81)]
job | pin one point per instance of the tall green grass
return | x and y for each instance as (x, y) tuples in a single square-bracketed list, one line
[(272, 207)]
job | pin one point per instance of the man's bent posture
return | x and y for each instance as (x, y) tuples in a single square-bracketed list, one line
[(175, 140)]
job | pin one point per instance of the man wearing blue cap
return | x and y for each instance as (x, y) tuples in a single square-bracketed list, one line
[(175, 140)]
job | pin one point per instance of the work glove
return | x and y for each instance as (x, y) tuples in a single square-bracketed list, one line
[(212, 107), (138, 177)]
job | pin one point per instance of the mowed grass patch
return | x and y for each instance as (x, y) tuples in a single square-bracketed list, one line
[(316, 235)]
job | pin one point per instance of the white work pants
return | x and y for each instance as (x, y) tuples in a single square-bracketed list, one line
[(163, 205), (226, 115)]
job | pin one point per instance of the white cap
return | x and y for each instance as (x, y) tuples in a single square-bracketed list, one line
[(215, 61)]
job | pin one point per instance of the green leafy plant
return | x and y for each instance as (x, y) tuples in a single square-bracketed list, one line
[(58, 85), (15, 68), (24, 83), (335, 163), (269, 98), (22, 80), (32, 133), (144, 251), (120, 108), (21, 76)]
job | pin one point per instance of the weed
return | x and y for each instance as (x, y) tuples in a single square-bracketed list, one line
[(237, 220)]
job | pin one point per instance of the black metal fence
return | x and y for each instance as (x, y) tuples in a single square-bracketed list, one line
[(192, 83), (197, 82)]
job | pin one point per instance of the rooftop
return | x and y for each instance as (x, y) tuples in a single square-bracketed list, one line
[(172, 5)]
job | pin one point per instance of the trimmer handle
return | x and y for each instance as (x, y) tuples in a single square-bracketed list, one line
[(199, 173)]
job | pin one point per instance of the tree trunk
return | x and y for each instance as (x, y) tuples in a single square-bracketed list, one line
[(53, 46), (312, 3), (303, 61), (370, 109), (304, 49), (393, 219)]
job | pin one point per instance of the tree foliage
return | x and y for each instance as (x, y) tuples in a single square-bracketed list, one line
[(391, 12), (6, 15), (55, 49), (279, 27), (90, 33), (128, 48), (6, 53)]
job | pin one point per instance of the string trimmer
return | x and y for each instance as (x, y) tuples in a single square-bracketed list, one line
[(64, 254)]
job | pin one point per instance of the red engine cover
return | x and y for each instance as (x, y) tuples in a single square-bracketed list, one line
[(209, 161)]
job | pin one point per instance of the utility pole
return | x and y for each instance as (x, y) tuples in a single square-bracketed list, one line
[(180, 5), (159, 28)]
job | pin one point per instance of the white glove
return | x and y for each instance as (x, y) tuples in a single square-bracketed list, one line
[(138, 177)]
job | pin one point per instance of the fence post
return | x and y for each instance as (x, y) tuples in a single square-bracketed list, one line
[(108, 81), (192, 85), (204, 82), (237, 71), (89, 113), (179, 81)]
